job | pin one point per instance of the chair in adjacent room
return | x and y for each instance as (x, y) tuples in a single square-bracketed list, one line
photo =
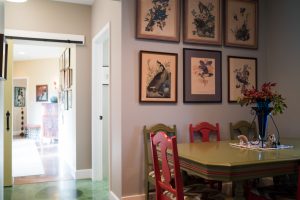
[(149, 172), (206, 131), (243, 128), (171, 187)]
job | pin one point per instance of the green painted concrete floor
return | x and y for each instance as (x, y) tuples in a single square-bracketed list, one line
[(61, 190)]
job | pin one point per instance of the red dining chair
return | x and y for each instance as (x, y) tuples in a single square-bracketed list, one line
[(205, 130), (149, 172), (165, 159)]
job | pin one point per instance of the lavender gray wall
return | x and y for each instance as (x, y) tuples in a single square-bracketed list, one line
[(136, 114), (283, 47)]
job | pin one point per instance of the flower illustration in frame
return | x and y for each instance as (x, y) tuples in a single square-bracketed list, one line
[(158, 20), (202, 77), (202, 23), (241, 23)]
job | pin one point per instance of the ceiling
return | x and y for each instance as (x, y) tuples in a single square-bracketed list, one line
[(86, 2), (33, 52)]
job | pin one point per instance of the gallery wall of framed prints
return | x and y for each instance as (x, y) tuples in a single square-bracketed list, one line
[(205, 23), (66, 78)]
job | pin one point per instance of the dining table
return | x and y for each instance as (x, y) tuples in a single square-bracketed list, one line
[(222, 161)]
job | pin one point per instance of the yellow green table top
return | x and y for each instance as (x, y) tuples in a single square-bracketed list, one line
[(220, 161)]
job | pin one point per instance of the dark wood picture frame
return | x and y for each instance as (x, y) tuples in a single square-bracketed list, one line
[(165, 27), (242, 74), (241, 23), (202, 76), (3, 57), (68, 78), (202, 22), (158, 77), (41, 93)]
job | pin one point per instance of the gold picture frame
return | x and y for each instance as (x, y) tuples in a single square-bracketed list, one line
[(158, 77), (242, 75), (241, 23), (202, 22), (158, 20)]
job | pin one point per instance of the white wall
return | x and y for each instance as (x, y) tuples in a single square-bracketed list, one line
[(67, 121), (105, 11), (283, 44), (37, 72), (59, 17), (135, 115)]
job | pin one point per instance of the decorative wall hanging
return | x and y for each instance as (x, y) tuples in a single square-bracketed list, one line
[(202, 76), (158, 20), (202, 22), (19, 96), (158, 77), (241, 23), (67, 56), (241, 76), (66, 101), (41, 93), (69, 99)]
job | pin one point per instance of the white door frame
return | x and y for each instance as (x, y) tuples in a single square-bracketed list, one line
[(22, 36), (97, 133)]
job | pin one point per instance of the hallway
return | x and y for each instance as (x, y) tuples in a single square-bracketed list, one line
[(63, 190)]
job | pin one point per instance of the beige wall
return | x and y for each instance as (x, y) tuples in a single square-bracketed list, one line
[(105, 11), (37, 72), (135, 115), (57, 17), (19, 82)]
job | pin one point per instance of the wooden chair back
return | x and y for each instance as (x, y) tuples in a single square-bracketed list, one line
[(163, 180), (171, 131), (205, 129), (243, 128)]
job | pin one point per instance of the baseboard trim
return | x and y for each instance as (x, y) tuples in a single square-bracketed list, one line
[(135, 197), (83, 174), (113, 196)]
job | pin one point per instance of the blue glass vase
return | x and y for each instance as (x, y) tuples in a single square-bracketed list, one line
[(262, 111)]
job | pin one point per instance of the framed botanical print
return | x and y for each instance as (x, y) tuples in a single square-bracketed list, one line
[(67, 57), (202, 76), (66, 100), (241, 23), (19, 96), (202, 22), (242, 75), (62, 62), (158, 20), (158, 77)]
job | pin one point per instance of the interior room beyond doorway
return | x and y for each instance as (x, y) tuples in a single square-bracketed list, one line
[(43, 93)]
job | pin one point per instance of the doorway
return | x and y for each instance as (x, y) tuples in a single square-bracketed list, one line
[(42, 111), (101, 105)]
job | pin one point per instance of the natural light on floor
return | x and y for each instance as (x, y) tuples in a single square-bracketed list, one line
[(26, 159)]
